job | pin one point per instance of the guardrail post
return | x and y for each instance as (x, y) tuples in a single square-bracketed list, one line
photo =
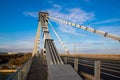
[(76, 64), (19, 75), (65, 60), (97, 70)]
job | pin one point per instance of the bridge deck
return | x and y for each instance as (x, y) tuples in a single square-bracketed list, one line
[(38, 69)]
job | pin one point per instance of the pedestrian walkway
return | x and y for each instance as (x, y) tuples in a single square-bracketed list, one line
[(38, 69)]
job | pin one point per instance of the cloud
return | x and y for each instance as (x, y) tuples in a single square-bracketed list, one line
[(110, 29), (69, 29), (85, 43), (32, 14), (24, 44), (108, 21), (90, 46), (99, 51), (56, 6), (73, 14), (15, 50), (18, 46), (76, 15)]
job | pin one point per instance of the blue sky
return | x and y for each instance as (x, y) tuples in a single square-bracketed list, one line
[(19, 21)]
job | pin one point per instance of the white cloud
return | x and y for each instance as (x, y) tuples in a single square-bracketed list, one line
[(32, 14), (76, 15), (15, 50), (18, 45), (108, 21), (24, 44), (56, 6), (110, 29), (69, 29)]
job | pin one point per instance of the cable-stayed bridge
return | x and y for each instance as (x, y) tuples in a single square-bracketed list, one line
[(47, 64)]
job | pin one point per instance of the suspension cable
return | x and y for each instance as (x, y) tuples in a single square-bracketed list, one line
[(105, 34), (58, 37)]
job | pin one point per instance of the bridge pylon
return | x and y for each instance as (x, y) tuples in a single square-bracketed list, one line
[(57, 70)]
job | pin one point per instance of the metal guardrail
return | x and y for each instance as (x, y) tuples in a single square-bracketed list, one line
[(22, 72)]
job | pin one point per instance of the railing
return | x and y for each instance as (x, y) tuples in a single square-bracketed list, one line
[(98, 67), (22, 72)]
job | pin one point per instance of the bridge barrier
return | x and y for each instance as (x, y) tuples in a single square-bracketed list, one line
[(96, 68), (100, 68), (22, 72)]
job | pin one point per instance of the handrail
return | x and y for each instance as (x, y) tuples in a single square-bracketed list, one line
[(22, 71)]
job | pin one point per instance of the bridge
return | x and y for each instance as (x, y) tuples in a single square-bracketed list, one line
[(50, 65)]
